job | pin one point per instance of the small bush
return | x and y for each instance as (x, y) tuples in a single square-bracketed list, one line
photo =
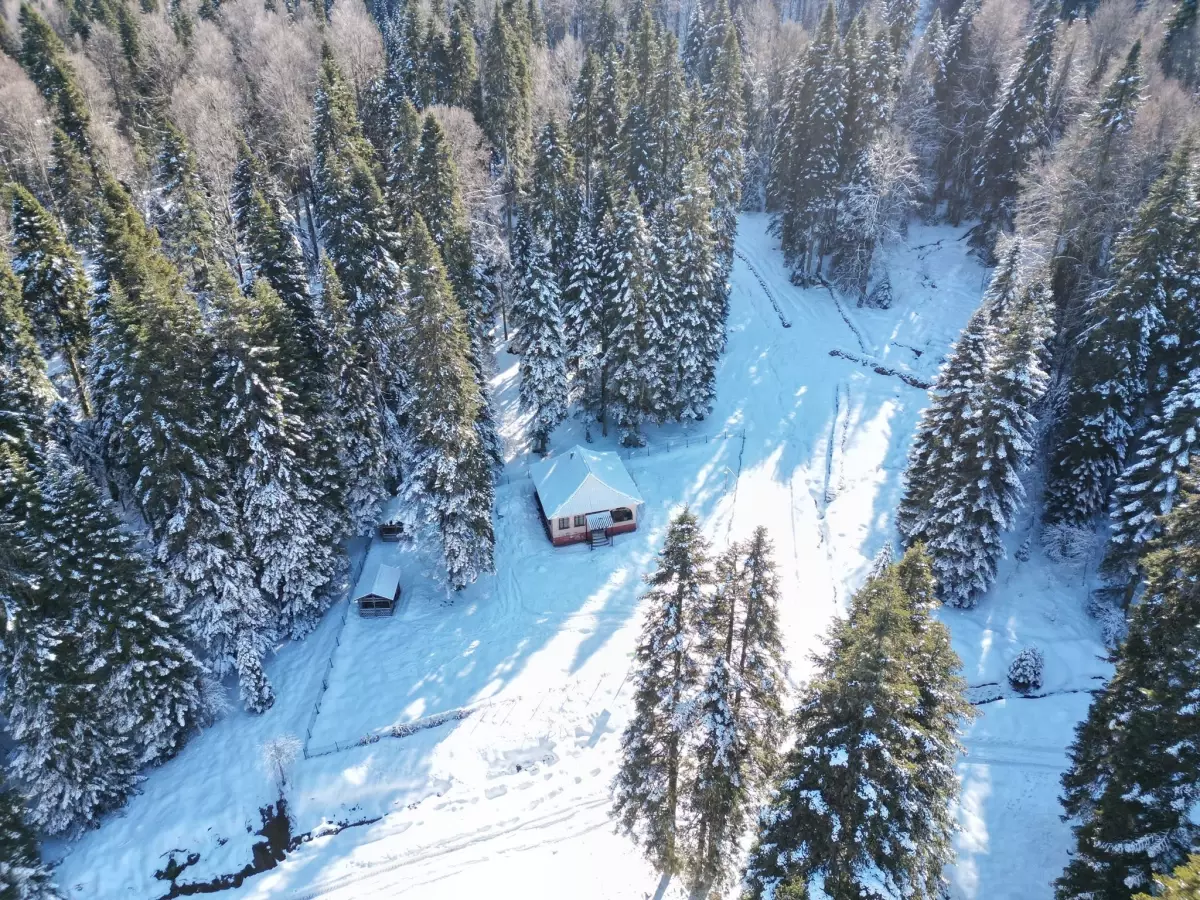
[(1069, 544), (1025, 672)]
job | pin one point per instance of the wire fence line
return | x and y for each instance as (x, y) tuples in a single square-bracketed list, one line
[(337, 642)]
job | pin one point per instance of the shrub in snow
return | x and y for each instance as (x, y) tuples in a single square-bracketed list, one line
[(1025, 672), (1113, 625), (1069, 544), (278, 754), (881, 295), (1024, 550)]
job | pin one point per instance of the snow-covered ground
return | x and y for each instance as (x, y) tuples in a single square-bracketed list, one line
[(511, 799)]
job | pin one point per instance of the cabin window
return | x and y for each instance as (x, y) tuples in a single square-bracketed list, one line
[(622, 514), (580, 521), (564, 523)]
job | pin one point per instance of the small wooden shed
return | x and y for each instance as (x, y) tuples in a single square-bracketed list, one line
[(583, 495), (378, 591)]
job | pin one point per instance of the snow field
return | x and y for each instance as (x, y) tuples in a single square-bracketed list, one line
[(513, 798)]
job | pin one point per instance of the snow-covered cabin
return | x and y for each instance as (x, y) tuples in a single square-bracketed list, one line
[(378, 590), (585, 496)]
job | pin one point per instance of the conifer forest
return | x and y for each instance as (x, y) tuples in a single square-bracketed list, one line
[(674, 449)]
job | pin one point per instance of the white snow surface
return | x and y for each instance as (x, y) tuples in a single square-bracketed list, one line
[(527, 671), (579, 480)]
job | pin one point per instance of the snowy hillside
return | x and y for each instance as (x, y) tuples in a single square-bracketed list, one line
[(522, 677)]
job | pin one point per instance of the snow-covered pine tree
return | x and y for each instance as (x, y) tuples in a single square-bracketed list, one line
[(1149, 486), (1181, 884), (661, 321), (1178, 54), (54, 286), (960, 106), (462, 88), (1109, 383), (71, 763), (900, 19), (805, 167), (740, 709), (361, 448), (1135, 762), (437, 198), (508, 104), (636, 149), (23, 875), (851, 810), (582, 321), (293, 544), (698, 332), (724, 128), (552, 202), (1015, 129), (543, 363), (403, 143), (182, 212), (650, 783), (157, 426), (449, 479), (625, 282), (152, 691), (583, 123), (26, 394), (956, 393), (981, 491), (45, 60), (73, 190), (359, 237)]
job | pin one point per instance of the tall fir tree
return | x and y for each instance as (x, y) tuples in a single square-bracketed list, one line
[(1181, 884), (182, 212), (157, 427), (360, 239), (23, 875), (1016, 128), (449, 479), (724, 127), (1124, 342), (543, 363), (54, 286), (44, 59), (26, 394), (1134, 761), (865, 794), (650, 782), (1177, 54), (582, 320), (626, 279), (463, 65)]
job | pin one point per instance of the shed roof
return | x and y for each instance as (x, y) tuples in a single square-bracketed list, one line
[(378, 580), (582, 481)]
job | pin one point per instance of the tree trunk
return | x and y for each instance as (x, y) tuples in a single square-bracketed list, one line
[(85, 404)]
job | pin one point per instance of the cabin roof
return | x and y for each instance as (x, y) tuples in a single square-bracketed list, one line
[(378, 580), (582, 481)]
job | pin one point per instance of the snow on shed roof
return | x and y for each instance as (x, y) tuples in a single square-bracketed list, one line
[(583, 481), (378, 580)]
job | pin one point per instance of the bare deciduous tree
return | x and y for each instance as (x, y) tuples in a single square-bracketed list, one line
[(357, 44), (24, 129)]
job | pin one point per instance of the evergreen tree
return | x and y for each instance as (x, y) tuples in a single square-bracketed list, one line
[(353, 406), (1177, 54), (740, 713), (54, 285), (462, 66), (582, 320), (543, 369), (1182, 884), (26, 394), (1016, 127), (865, 793), (403, 141), (900, 18), (157, 428), (182, 214), (804, 168), (1149, 486), (956, 395), (44, 59), (1125, 342), (725, 126), (980, 490), (650, 782), (23, 876), (360, 240), (1134, 761), (264, 439), (73, 189), (626, 280), (437, 198), (962, 96), (552, 200), (449, 484), (508, 94)]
